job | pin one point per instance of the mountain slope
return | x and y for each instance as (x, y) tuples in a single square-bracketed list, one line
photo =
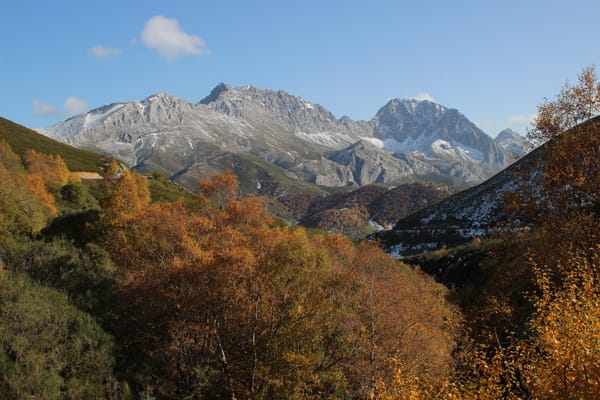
[(371, 207), (21, 138), (475, 212)]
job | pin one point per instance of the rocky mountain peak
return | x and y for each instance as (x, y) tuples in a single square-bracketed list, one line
[(507, 134), (164, 98), (216, 93), (512, 142), (434, 131), (412, 107)]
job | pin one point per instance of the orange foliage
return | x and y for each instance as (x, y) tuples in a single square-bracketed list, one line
[(52, 169), (36, 186), (130, 196), (218, 190), (222, 304), (572, 106)]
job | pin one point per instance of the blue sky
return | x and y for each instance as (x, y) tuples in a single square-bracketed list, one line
[(495, 61)]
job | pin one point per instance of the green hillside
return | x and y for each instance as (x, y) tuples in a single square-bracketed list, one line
[(21, 138)]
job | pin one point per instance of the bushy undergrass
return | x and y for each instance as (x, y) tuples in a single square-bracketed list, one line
[(458, 265)]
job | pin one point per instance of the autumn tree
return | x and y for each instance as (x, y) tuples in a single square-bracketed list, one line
[(112, 168), (573, 106), (22, 212), (51, 168), (565, 358), (38, 188), (9, 159), (129, 196), (569, 174), (214, 302), (542, 294), (218, 190)]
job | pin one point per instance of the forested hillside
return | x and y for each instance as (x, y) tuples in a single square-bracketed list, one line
[(109, 292), (204, 299)]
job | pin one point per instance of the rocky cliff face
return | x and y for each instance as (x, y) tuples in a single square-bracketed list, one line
[(406, 141)]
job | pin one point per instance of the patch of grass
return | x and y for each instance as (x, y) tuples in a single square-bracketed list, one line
[(165, 190)]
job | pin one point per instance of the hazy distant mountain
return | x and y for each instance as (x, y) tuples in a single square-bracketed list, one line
[(406, 141), (513, 143)]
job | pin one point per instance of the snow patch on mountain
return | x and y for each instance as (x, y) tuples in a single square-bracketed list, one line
[(374, 141)]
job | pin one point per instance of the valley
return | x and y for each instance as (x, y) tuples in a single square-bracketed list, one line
[(395, 275)]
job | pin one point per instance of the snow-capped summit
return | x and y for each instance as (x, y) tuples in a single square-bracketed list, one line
[(435, 132)]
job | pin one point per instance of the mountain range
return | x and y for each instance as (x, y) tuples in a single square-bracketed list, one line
[(288, 139)]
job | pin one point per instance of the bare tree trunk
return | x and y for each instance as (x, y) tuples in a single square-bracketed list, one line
[(224, 359)]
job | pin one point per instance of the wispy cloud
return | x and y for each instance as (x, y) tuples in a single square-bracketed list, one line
[(104, 53), (71, 106), (523, 121), (41, 109), (424, 96), (166, 37)]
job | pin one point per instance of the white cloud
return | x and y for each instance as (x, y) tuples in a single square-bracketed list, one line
[(521, 120), (165, 36), (71, 106), (424, 96), (104, 53), (42, 109)]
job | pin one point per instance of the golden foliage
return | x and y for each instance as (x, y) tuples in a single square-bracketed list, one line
[(129, 196), (218, 190), (24, 208), (36, 186), (9, 160), (573, 106), (566, 363), (223, 304), (52, 169), (112, 169)]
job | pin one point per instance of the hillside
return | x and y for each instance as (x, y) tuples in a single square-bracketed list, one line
[(21, 139), (474, 212), (480, 211), (364, 210), (131, 284)]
